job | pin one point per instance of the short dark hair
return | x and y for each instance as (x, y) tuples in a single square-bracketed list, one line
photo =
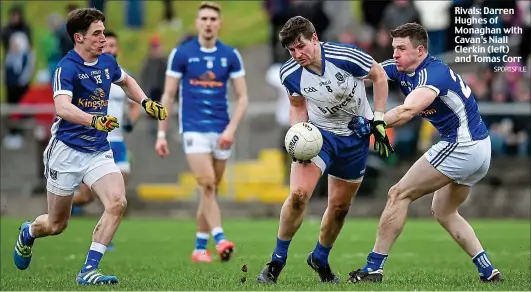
[(111, 34), (210, 5), (79, 20), (294, 28), (416, 33)]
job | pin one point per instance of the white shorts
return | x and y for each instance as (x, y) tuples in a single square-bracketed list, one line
[(65, 168), (195, 142), (465, 163)]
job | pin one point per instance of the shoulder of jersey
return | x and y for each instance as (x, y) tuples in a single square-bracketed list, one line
[(224, 48), (65, 61), (341, 49), (343, 54), (332, 45), (106, 57), (291, 66), (186, 45), (435, 64)]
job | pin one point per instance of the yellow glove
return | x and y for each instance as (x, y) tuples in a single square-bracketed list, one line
[(104, 123), (381, 141), (155, 109)]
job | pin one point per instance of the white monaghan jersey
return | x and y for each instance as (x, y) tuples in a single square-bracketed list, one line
[(337, 95), (116, 108)]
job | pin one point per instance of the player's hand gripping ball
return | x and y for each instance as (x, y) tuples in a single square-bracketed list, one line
[(303, 141)]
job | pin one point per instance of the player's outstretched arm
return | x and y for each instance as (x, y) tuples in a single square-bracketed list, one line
[(298, 112), (134, 92), (69, 112), (415, 103)]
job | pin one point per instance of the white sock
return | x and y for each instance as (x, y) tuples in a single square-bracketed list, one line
[(202, 235), (98, 247), (216, 231)]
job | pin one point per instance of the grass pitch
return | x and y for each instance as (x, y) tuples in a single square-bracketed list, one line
[(154, 254)]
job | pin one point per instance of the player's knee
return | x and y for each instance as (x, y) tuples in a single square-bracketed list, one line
[(299, 199), (117, 205), (207, 184), (86, 197), (399, 192), (340, 211), (441, 215), (58, 226)]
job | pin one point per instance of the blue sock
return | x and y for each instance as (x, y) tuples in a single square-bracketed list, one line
[(482, 262), (94, 256), (321, 253), (201, 241), (217, 233), (281, 251), (27, 237), (375, 261)]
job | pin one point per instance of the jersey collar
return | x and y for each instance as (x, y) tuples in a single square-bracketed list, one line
[(207, 50), (75, 56), (323, 62), (420, 66)]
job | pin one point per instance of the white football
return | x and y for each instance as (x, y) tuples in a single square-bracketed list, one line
[(303, 141)]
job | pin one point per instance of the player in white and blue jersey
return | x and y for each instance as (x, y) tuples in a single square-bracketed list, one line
[(118, 102), (78, 150), (325, 84), (202, 68), (450, 167)]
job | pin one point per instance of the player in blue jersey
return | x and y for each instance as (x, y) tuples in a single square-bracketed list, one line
[(202, 68), (117, 104), (325, 84), (78, 150), (450, 167)]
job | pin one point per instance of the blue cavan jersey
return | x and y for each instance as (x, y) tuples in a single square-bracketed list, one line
[(454, 112), (336, 95), (204, 74), (89, 85)]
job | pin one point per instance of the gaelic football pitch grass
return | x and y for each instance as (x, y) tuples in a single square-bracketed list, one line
[(154, 254)]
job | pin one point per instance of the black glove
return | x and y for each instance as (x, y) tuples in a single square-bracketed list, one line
[(128, 125)]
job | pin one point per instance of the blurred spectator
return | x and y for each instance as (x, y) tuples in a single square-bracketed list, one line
[(65, 43), (435, 18), (397, 13), (314, 11), (16, 24), (19, 66), (372, 11), (50, 42), (154, 69), (134, 13), (279, 11), (169, 19), (98, 4), (342, 20), (153, 73), (382, 49)]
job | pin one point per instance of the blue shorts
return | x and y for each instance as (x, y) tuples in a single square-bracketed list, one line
[(344, 157), (119, 151)]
